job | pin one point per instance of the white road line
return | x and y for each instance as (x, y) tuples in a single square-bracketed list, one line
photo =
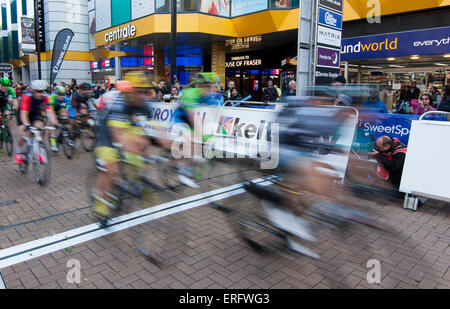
[(43, 246), (2, 283)]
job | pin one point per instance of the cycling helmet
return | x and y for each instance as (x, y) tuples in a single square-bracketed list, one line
[(60, 90), (138, 79), (5, 81), (85, 86), (124, 86), (39, 85)]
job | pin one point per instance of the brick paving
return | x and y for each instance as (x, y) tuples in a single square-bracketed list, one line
[(199, 247)]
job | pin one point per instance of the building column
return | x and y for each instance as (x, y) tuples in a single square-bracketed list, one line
[(118, 68), (218, 61)]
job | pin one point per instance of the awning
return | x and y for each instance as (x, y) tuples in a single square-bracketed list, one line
[(101, 53)]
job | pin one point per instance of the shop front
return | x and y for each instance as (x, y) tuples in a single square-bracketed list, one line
[(395, 59), (251, 71)]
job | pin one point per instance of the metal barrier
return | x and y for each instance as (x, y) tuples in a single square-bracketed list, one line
[(254, 105)]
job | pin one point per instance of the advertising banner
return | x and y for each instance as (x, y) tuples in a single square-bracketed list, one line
[(60, 48), (393, 125), (40, 26), (332, 4), (328, 36), (242, 7), (215, 7), (330, 18), (328, 57), (28, 35), (324, 76), (140, 8), (92, 30), (102, 14), (421, 42), (218, 60)]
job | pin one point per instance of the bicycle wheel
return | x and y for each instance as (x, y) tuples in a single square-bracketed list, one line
[(9, 141), (168, 173), (41, 165), (69, 150), (87, 138), (250, 224)]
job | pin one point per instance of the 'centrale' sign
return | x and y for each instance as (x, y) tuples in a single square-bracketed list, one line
[(128, 31)]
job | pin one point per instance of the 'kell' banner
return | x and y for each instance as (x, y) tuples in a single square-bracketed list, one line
[(60, 47)]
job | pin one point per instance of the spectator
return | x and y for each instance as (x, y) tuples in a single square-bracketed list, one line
[(95, 91), (235, 96), (270, 93), (111, 87), (162, 89), (174, 95), (435, 96), (227, 93), (423, 106), (414, 92), (53, 87), (278, 91), (445, 102), (339, 81), (178, 85), (292, 89), (373, 103), (390, 154), (72, 85)]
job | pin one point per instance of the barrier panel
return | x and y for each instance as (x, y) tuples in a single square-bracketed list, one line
[(426, 172)]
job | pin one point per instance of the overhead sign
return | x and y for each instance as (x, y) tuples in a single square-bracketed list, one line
[(420, 42), (243, 43), (328, 36), (5, 68), (332, 4), (94, 65), (243, 61), (330, 18), (328, 57)]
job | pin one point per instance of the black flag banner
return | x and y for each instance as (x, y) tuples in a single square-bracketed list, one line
[(60, 47)]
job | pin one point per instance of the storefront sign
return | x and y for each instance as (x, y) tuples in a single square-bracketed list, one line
[(324, 76), (40, 26), (108, 63), (128, 31), (243, 43), (5, 68), (330, 18), (94, 65), (421, 42), (243, 61), (332, 4), (328, 57), (328, 36)]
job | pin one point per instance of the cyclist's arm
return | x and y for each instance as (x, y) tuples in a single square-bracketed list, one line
[(25, 110), (50, 111), (70, 110)]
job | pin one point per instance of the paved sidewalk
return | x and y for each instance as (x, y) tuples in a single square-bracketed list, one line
[(199, 247)]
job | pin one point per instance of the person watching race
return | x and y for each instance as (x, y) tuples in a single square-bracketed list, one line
[(120, 126), (62, 107), (33, 109)]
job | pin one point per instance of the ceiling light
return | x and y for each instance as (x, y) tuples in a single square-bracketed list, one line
[(391, 59), (447, 56), (396, 66), (441, 64), (414, 57), (370, 67)]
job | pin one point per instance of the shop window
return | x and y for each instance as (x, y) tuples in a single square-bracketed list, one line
[(187, 5), (162, 6)]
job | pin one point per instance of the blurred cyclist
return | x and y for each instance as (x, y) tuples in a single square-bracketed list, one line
[(6, 101), (80, 99), (11, 93), (35, 106), (120, 129), (62, 106)]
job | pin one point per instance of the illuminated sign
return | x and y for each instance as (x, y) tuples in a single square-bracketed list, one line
[(128, 31), (243, 61), (243, 43), (94, 65)]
